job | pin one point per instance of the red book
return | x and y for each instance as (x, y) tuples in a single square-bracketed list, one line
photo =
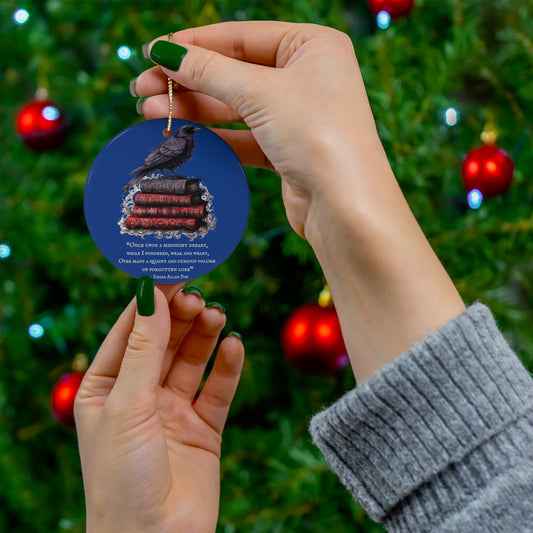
[(173, 211), (163, 223), (168, 199)]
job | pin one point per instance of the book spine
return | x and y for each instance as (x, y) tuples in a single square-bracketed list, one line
[(170, 186), (186, 211), (148, 199), (162, 223)]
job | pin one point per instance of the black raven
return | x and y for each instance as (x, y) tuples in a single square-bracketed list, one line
[(169, 155)]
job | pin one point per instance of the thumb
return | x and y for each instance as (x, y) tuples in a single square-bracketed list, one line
[(229, 80), (140, 370)]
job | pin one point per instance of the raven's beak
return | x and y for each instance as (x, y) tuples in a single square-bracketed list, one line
[(197, 129)]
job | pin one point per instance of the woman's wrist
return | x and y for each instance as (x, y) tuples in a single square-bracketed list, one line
[(388, 285)]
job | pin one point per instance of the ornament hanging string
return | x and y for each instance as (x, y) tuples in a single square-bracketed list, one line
[(490, 132), (172, 86)]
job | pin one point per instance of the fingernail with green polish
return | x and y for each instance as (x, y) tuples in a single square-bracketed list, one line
[(235, 334), (146, 50), (145, 296), (133, 92), (139, 105), (167, 54), (193, 290), (220, 307)]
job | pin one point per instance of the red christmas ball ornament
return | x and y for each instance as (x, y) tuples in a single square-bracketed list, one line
[(312, 340), (63, 395), (41, 125), (488, 169), (395, 8)]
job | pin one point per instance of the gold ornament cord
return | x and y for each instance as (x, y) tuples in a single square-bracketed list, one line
[(172, 86)]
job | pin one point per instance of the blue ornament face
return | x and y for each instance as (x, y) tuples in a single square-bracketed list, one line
[(173, 209)]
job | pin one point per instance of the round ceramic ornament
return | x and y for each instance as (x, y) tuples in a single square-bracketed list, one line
[(172, 208)]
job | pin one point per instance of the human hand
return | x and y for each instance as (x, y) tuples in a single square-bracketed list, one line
[(299, 89), (309, 117), (150, 452)]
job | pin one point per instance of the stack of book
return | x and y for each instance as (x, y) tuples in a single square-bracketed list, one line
[(169, 204)]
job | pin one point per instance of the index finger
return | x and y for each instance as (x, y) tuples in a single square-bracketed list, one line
[(252, 41)]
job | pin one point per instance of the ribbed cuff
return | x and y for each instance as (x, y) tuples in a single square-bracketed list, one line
[(429, 429)]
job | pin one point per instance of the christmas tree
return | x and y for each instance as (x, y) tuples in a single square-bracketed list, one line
[(436, 78)]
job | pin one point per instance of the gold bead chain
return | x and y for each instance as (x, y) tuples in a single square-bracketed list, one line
[(172, 86)]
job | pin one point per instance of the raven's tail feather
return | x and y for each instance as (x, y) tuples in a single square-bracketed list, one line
[(139, 169), (141, 173)]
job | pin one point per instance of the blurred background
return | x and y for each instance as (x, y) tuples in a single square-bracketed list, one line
[(439, 75)]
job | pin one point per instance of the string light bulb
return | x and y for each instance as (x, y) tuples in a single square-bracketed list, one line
[(383, 20), (124, 52), (21, 16), (5, 250), (475, 199), (451, 116), (36, 331)]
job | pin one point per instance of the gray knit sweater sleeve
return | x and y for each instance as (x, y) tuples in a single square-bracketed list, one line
[(440, 440)]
